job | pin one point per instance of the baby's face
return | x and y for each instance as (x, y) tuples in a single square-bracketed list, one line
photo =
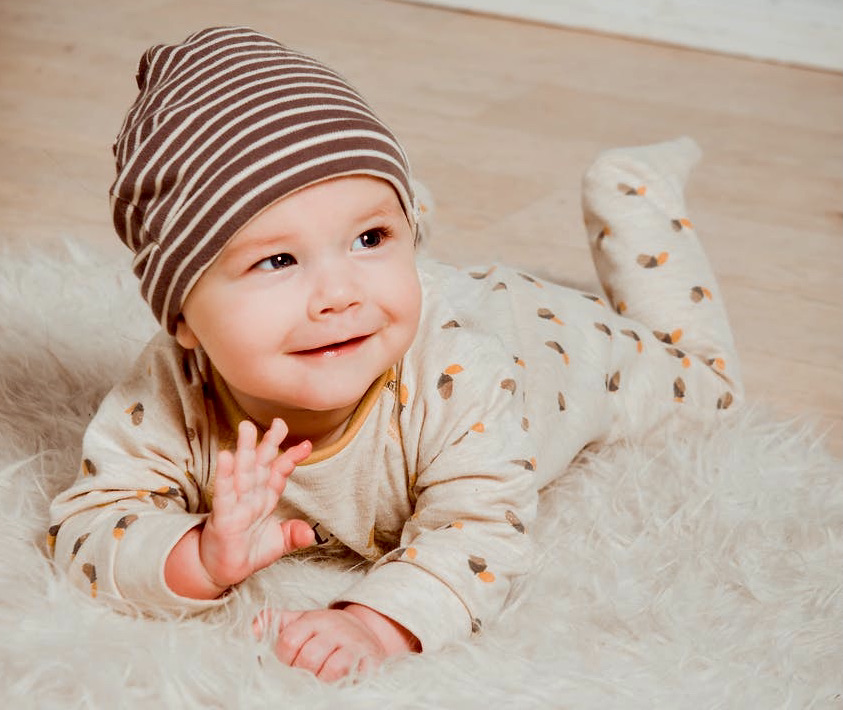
[(311, 301)]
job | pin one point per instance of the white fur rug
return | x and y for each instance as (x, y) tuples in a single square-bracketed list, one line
[(701, 573)]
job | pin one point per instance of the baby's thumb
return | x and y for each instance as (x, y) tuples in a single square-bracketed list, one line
[(297, 535)]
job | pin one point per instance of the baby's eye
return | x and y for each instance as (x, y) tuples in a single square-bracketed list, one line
[(275, 262), (369, 240)]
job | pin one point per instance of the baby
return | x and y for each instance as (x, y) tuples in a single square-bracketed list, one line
[(317, 382)]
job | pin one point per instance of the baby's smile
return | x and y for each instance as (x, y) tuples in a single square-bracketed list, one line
[(334, 349)]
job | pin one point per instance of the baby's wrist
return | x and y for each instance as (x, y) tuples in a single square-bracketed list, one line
[(185, 571), (394, 638)]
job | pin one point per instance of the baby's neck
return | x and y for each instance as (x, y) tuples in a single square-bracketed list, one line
[(320, 428)]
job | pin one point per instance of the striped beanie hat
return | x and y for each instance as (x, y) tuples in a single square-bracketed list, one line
[(226, 123)]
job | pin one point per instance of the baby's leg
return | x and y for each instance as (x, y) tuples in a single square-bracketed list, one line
[(655, 273)]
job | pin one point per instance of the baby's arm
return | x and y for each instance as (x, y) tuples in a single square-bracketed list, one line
[(241, 535)]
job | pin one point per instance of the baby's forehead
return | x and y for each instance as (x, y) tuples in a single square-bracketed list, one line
[(356, 203)]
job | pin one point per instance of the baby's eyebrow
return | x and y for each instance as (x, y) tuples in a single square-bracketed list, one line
[(257, 245)]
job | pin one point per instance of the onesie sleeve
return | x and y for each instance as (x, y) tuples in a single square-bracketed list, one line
[(138, 489), (475, 498)]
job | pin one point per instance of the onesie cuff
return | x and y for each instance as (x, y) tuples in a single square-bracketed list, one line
[(140, 560), (421, 603)]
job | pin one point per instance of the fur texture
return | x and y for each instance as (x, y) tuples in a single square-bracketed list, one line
[(698, 572)]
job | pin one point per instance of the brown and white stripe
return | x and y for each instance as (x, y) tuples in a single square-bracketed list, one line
[(226, 123)]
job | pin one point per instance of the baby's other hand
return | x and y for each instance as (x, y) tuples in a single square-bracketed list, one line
[(242, 535), (335, 643), (330, 643)]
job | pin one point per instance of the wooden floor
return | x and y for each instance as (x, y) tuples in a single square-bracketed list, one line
[(500, 118)]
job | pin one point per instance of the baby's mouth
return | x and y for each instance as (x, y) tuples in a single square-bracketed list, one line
[(334, 349)]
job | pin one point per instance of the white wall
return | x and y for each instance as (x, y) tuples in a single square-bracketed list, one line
[(804, 32)]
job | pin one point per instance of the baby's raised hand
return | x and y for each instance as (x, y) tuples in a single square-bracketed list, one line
[(243, 535)]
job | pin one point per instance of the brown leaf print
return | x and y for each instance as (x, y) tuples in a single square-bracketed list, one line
[(136, 412), (513, 520), (122, 524), (91, 573), (603, 328), (89, 468), (670, 338), (51, 536), (547, 314), (613, 383), (698, 293), (478, 566), (78, 544), (560, 401), (725, 401), (650, 261), (509, 385), (632, 191), (481, 274), (445, 385), (535, 282), (632, 334), (553, 345), (679, 389), (677, 353)]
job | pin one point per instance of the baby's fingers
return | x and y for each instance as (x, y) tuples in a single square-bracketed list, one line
[(285, 464), (244, 456), (224, 478), (268, 449)]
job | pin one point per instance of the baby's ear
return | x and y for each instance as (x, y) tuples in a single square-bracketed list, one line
[(426, 209), (184, 335)]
